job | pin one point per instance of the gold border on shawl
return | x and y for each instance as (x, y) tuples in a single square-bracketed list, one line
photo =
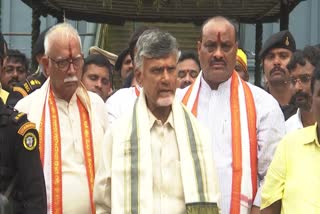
[(56, 158), (87, 149)]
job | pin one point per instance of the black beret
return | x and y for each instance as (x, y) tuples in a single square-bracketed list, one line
[(121, 57), (282, 39)]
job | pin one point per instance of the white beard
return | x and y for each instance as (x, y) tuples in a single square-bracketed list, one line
[(165, 101)]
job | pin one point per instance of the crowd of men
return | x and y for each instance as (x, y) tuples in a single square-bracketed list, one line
[(187, 132)]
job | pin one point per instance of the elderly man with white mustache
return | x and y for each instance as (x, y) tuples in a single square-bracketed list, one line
[(71, 122)]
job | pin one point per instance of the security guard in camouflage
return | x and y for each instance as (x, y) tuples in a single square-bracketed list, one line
[(20, 164)]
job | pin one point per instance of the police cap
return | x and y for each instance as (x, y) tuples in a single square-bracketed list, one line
[(282, 39)]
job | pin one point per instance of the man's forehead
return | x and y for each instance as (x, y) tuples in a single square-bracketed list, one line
[(217, 28), (68, 45), (13, 61), (279, 51), (307, 68)]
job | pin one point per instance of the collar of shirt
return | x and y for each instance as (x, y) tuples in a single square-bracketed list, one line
[(312, 138), (153, 120), (207, 89)]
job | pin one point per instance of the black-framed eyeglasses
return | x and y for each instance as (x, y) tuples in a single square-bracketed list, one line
[(183, 73), (304, 79), (64, 64)]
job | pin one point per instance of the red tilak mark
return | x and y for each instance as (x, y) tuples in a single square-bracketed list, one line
[(219, 37), (70, 51)]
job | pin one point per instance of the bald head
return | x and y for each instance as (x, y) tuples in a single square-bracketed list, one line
[(219, 21)]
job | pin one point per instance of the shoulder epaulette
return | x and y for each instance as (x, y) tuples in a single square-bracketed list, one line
[(26, 127), (20, 90), (31, 84)]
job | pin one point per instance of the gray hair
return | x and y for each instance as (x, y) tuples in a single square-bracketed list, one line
[(59, 32), (155, 44)]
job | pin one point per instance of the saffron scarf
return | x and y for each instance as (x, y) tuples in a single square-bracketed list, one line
[(244, 140), (50, 151)]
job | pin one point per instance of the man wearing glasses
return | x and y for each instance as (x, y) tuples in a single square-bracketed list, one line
[(188, 68), (70, 121), (301, 68)]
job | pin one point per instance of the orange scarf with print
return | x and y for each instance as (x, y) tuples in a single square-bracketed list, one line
[(50, 152)]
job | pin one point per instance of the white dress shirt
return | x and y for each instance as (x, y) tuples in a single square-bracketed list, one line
[(214, 112), (120, 102), (168, 196), (294, 122)]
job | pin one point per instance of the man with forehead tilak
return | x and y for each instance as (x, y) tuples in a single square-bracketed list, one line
[(245, 122), (70, 123)]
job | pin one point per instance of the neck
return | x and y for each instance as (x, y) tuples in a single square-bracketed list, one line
[(65, 96), (161, 113), (281, 93), (307, 118)]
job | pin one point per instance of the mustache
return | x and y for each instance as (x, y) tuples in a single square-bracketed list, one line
[(14, 80), (71, 79), (274, 69), (301, 94), (214, 61)]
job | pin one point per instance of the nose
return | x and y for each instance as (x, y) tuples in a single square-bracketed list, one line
[(298, 85), (14, 73), (218, 53), (98, 84), (276, 60), (71, 69)]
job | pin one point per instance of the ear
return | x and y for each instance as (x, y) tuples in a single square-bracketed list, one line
[(45, 64), (39, 57), (199, 47), (139, 76)]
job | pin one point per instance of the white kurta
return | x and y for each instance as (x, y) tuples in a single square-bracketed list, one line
[(167, 191), (294, 122), (120, 102), (214, 112), (75, 193)]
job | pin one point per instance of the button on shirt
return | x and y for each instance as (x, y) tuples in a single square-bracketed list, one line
[(294, 122), (168, 196)]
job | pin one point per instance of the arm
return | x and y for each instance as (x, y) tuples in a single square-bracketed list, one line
[(274, 186), (270, 130), (30, 180), (274, 208), (102, 183)]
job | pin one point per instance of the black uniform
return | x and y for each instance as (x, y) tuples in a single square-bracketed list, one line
[(20, 159), (32, 83)]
